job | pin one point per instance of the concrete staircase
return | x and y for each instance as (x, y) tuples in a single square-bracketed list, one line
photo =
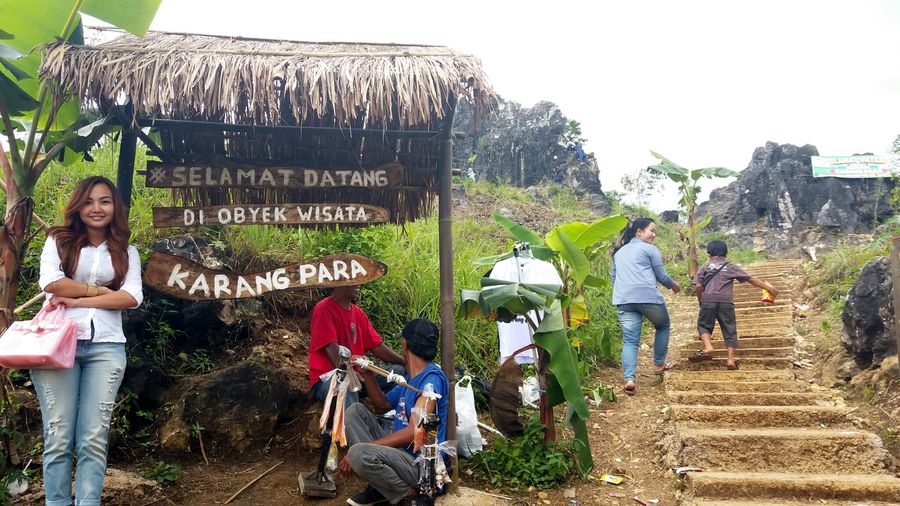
[(762, 436)]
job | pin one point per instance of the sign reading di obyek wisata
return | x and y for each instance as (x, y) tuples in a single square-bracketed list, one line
[(855, 166), (281, 214), (185, 279)]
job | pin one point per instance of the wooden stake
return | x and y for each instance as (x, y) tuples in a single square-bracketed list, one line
[(254, 480), (29, 303), (895, 275)]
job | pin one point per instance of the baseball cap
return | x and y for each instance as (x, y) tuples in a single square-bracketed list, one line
[(421, 337)]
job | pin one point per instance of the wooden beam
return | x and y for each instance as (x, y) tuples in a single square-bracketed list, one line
[(185, 279), (276, 214), (125, 173), (295, 129), (232, 174), (895, 275), (448, 296)]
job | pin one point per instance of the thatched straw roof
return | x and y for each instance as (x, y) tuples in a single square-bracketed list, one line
[(271, 82)]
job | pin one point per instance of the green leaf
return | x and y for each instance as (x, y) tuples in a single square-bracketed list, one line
[(702, 223), (584, 459), (711, 172), (132, 15), (16, 72), (518, 231), (5, 35), (585, 235), (579, 267), (491, 260), (17, 101), (592, 281)]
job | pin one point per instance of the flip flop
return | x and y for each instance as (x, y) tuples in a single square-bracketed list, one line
[(700, 356), (668, 366), (629, 388), (732, 367)]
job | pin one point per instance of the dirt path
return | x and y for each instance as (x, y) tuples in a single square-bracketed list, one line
[(762, 435)]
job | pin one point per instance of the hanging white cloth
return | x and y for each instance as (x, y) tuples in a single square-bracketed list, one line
[(517, 333)]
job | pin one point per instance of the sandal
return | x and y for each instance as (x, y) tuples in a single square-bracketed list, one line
[(732, 367), (629, 387), (668, 366), (700, 356)]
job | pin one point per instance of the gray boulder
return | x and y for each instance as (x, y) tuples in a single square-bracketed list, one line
[(778, 206), (868, 315)]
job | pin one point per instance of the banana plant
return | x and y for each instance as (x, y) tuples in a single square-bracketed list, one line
[(41, 123), (689, 188), (571, 247)]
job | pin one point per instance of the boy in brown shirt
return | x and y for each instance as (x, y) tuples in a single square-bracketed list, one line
[(713, 285)]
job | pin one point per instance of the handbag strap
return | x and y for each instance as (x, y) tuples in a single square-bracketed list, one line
[(710, 278), (50, 313)]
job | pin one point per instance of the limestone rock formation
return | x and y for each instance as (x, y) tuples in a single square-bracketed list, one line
[(523, 146), (868, 315), (777, 205)]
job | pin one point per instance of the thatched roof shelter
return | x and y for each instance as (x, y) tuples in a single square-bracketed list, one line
[(322, 105)]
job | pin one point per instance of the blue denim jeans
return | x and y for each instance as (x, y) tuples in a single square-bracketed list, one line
[(76, 410), (631, 317)]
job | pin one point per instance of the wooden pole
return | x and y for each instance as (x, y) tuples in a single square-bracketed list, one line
[(448, 298), (125, 174), (895, 278)]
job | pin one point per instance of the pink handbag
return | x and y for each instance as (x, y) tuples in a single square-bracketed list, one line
[(46, 342)]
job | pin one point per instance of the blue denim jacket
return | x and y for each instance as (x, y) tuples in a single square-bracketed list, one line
[(637, 267)]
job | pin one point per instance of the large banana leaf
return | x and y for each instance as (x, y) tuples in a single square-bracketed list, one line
[(504, 300), (712, 172), (551, 336), (579, 267), (585, 235), (518, 231), (539, 252)]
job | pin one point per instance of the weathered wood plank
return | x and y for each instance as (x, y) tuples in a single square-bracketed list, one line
[(198, 175), (280, 214), (184, 279)]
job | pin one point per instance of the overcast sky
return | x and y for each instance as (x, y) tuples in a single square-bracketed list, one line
[(702, 82)]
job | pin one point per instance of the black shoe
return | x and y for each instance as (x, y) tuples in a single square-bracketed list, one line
[(368, 497), (417, 500)]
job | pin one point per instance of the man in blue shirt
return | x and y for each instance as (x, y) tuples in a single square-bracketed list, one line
[(386, 460)]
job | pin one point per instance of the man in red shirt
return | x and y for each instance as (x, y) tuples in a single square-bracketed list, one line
[(337, 321)]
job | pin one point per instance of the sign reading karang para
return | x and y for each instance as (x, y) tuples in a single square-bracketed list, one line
[(184, 279), (160, 175), (855, 166), (281, 214)]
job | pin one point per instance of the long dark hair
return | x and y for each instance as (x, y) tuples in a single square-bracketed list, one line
[(630, 231), (72, 235)]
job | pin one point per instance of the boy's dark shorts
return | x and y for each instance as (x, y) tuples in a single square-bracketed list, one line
[(723, 312)]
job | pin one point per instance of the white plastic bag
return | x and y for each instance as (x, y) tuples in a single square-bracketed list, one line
[(468, 437)]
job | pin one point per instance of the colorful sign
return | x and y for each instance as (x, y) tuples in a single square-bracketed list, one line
[(856, 166)]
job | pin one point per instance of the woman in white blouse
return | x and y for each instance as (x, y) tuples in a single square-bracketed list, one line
[(87, 266)]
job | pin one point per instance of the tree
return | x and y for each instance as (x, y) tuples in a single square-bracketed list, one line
[(641, 184), (689, 188), (39, 121)]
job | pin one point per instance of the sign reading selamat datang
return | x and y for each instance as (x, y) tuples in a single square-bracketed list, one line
[(855, 166), (184, 279), (206, 176)]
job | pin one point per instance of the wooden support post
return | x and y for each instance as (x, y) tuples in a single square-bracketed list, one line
[(448, 297), (125, 174), (895, 278)]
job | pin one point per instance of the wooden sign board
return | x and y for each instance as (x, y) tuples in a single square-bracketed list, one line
[(183, 279), (281, 214), (161, 175)]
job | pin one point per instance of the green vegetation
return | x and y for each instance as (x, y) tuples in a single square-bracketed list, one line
[(526, 461), (161, 472)]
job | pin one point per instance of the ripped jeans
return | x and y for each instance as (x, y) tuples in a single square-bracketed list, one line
[(76, 410)]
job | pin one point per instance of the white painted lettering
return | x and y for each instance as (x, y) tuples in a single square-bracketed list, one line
[(178, 178), (324, 274), (306, 271), (266, 178), (194, 176), (264, 282), (220, 285), (243, 286), (356, 269), (357, 179), (327, 179), (339, 214), (305, 216), (200, 284), (188, 217), (281, 279), (224, 215), (369, 178), (177, 276), (310, 178), (225, 179), (340, 270), (253, 212), (238, 215), (267, 214), (381, 178), (343, 175), (246, 177), (286, 176), (279, 214)]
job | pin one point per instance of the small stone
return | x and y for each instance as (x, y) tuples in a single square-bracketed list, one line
[(543, 495), (569, 493)]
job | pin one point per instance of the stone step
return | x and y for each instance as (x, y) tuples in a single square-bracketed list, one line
[(783, 296), (766, 309), (743, 342), (736, 386), (795, 450), (758, 303), (750, 398), (744, 362), (747, 331), (781, 502), (761, 416), (726, 375), (782, 351), (793, 486)]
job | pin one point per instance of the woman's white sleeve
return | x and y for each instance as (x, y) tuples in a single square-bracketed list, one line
[(51, 265), (132, 282)]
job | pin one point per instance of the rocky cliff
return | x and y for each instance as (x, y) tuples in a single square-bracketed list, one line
[(777, 205), (523, 146)]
